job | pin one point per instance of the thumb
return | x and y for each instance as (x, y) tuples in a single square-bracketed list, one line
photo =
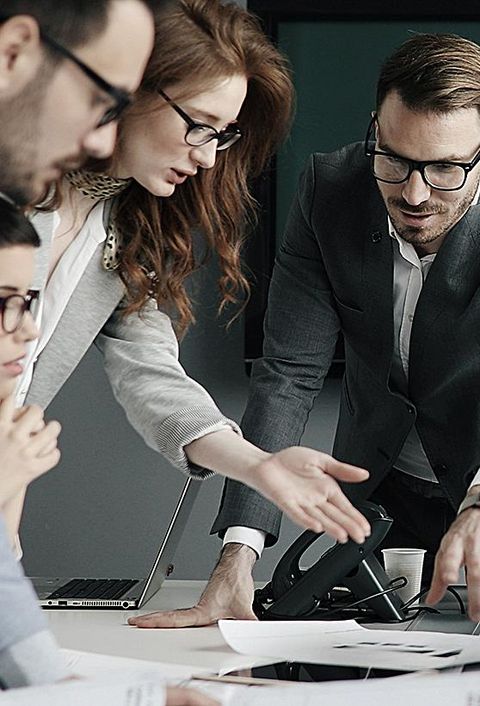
[(344, 471)]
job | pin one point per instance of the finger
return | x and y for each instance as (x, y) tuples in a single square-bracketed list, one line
[(45, 463), (177, 696), (338, 501), (7, 409), (181, 618), (448, 561), (30, 422), (354, 526), (473, 585), (45, 440), (341, 471)]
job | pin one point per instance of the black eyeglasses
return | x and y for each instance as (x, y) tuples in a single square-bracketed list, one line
[(392, 169), (121, 98), (200, 133), (13, 309)]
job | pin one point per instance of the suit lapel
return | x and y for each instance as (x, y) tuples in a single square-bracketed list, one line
[(451, 283), (97, 295), (377, 278)]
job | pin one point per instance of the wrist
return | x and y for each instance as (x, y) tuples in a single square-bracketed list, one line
[(471, 500), (238, 554)]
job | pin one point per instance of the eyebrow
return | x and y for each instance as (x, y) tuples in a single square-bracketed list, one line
[(451, 158), (205, 115), (9, 288)]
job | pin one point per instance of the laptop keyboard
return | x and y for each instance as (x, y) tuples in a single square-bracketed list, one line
[(94, 588)]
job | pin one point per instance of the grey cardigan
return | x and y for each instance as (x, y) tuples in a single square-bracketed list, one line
[(140, 352)]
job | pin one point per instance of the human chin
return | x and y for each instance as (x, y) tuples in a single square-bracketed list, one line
[(158, 187)]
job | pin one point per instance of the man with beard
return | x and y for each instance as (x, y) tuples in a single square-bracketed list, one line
[(382, 245), (64, 80)]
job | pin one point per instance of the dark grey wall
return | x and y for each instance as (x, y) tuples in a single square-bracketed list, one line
[(104, 509)]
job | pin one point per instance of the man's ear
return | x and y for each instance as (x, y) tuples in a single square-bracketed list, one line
[(20, 54)]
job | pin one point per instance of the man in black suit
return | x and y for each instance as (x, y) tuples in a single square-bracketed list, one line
[(382, 244)]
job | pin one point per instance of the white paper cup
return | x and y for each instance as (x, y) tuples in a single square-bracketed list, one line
[(405, 562)]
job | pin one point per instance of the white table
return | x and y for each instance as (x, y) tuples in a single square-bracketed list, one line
[(107, 632)]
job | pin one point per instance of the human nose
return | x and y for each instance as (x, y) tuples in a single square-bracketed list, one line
[(416, 190), (100, 142), (205, 155), (28, 329)]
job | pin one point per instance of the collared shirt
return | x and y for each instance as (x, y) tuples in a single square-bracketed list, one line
[(409, 274), (61, 285)]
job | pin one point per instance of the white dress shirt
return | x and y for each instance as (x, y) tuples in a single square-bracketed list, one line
[(409, 273), (61, 285)]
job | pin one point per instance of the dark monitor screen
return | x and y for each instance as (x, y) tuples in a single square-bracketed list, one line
[(336, 54)]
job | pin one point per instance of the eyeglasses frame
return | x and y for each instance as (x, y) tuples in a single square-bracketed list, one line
[(31, 296), (414, 165), (121, 97), (192, 124)]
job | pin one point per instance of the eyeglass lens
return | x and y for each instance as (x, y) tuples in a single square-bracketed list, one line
[(395, 170), (13, 309), (201, 134)]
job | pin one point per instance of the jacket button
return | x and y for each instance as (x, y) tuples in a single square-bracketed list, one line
[(410, 409), (376, 237)]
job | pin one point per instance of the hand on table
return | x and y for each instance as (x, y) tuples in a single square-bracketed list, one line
[(301, 482), (228, 594), (28, 447), (460, 547), (178, 696)]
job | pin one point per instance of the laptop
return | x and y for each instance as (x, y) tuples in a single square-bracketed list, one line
[(127, 593)]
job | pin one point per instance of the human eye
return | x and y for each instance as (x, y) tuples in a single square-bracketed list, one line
[(444, 167)]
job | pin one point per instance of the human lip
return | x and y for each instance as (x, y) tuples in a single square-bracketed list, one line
[(178, 176), (416, 219), (14, 367)]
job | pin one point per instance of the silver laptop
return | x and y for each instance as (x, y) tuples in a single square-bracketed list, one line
[(128, 593)]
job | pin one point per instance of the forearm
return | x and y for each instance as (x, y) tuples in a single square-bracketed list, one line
[(12, 514), (228, 454)]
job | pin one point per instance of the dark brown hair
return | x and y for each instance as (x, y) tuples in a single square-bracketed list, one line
[(15, 228), (433, 72), (197, 43)]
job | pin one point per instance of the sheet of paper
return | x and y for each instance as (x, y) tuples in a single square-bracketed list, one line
[(144, 690), (438, 690), (325, 642), (90, 664)]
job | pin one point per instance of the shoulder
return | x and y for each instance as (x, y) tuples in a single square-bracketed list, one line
[(336, 176), (342, 165)]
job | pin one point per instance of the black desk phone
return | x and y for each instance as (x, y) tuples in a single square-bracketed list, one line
[(347, 581)]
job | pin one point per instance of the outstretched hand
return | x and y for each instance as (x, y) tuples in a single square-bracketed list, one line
[(459, 547), (228, 594), (302, 483)]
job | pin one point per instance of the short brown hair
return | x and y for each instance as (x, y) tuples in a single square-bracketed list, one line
[(433, 72)]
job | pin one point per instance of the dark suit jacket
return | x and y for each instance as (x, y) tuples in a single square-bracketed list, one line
[(335, 272)]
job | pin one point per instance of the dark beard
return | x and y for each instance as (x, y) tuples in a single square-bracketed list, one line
[(18, 140)]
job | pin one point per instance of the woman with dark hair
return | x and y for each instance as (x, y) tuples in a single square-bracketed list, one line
[(215, 102), (28, 447)]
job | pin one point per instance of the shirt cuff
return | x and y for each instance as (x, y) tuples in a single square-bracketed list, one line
[(32, 661), (253, 538), (476, 479)]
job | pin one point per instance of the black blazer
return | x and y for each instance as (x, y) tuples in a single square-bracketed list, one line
[(334, 272)]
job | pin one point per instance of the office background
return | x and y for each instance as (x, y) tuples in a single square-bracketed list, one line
[(103, 511)]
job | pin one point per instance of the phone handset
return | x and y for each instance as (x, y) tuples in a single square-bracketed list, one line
[(294, 592)]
